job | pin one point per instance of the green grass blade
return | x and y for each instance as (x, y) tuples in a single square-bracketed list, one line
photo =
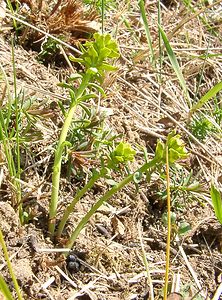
[(15, 282), (175, 64), (146, 26), (103, 2), (13, 12), (159, 42), (17, 126), (210, 94), (4, 289), (217, 202), (5, 119)]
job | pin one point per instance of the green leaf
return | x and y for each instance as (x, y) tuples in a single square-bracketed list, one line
[(92, 71), (184, 227), (159, 153), (216, 201), (123, 153), (146, 27), (173, 156), (75, 76), (175, 64), (176, 148), (210, 94), (173, 217), (4, 289), (107, 67), (111, 182), (75, 59), (66, 86), (104, 52), (87, 97), (98, 88), (95, 53)]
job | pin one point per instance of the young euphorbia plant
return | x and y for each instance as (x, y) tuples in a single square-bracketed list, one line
[(94, 58), (123, 153)]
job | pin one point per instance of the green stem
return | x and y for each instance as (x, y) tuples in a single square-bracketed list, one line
[(168, 226), (17, 119), (7, 150), (15, 282), (58, 154), (105, 197), (78, 196), (103, 13)]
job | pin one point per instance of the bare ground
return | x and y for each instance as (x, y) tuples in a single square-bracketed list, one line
[(109, 262)]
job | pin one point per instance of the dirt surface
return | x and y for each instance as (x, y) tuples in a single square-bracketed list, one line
[(108, 261)]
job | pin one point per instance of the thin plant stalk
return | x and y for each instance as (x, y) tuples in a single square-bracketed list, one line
[(4, 289), (160, 44), (168, 226), (103, 2), (146, 264), (15, 282), (106, 197), (7, 150), (147, 30), (58, 154), (77, 197), (12, 11), (4, 123), (9, 102), (17, 117)]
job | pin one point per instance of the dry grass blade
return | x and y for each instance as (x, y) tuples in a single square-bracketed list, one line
[(218, 292), (68, 21), (150, 284), (44, 33), (193, 273), (202, 146), (188, 19)]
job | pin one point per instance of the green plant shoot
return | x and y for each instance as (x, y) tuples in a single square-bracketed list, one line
[(176, 148), (94, 58), (122, 153), (124, 150), (217, 202), (210, 94)]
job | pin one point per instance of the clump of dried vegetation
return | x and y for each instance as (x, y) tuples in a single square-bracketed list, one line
[(120, 161), (68, 19)]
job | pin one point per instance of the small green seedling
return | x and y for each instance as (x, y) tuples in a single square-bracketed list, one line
[(201, 127), (216, 201)]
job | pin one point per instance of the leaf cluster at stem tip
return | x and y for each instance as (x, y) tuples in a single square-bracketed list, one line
[(122, 154), (95, 54), (176, 148)]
